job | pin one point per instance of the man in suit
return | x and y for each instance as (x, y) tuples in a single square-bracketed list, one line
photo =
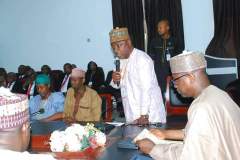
[(2, 81), (66, 84), (13, 84), (95, 76), (21, 74), (29, 86), (116, 92)]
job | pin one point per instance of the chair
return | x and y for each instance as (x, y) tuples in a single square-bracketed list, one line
[(106, 107), (175, 104), (221, 71)]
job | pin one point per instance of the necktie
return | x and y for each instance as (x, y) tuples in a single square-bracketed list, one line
[(64, 81)]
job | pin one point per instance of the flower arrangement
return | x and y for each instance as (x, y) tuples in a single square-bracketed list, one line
[(77, 138)]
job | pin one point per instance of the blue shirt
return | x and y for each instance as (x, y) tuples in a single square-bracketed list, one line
[(54, 104)]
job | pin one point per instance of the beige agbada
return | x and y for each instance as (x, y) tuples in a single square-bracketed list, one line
[(213, 128)]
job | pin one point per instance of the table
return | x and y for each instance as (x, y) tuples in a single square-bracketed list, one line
[(40, 133)]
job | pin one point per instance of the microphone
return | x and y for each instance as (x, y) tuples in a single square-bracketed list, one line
[(41, 111), (117, 64)]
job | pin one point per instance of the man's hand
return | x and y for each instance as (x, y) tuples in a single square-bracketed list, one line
[(143, 120), (158, 133), (145, 145), (69, 120), (116, 77), (168, 134)]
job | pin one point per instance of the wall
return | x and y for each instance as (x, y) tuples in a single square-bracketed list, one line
[(198, 24), (37, 32), (55, 32)]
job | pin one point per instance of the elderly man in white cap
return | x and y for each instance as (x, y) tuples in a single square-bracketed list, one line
[(141, 95), (213, 128), (15, 127), (82, 103)]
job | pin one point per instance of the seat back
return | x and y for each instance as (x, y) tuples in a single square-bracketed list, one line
[(106, 107), (221, 71)]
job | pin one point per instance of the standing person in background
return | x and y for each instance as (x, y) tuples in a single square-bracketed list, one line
[(162, 48), (141, 95), (94, 76), (66, 82)]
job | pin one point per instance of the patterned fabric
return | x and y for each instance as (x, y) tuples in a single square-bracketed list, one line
[(13, 109), (118, 34)]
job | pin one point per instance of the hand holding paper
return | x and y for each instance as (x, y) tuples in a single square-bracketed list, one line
[(146, 134)]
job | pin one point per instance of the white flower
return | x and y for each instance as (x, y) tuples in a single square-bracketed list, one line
[(76, 129), (100, 138), (73, 144), (57, 141), (71, 139)]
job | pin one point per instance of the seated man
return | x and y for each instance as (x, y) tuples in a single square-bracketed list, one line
[(114, 90), (29, 85), (46, 106), (213, 127), (3, 81), (95, 76), (65, 84), (13, 84), (82, 103), (15, 127)]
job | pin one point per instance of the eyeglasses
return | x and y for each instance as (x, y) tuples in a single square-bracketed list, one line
[(173, 81)]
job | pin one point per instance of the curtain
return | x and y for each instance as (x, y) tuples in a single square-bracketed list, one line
[(129, 13), (165, 9), (226, 40)]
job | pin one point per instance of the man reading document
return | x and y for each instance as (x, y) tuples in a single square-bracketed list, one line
[(213, 128)]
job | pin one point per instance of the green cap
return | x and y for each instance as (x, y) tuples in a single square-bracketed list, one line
[(42, 79)]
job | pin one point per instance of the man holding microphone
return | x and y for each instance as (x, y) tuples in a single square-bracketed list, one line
[(141, 95)]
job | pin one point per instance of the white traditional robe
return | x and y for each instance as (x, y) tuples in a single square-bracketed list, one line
[(212, 131), (141, 94)]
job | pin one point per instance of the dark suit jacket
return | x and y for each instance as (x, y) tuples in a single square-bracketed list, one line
[(97, 79), (62, 79), (158, 52), (17, 87)]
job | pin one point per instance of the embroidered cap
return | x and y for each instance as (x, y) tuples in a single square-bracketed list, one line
[(118, 34), (13, 109), (78, 73), (187, 62)]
